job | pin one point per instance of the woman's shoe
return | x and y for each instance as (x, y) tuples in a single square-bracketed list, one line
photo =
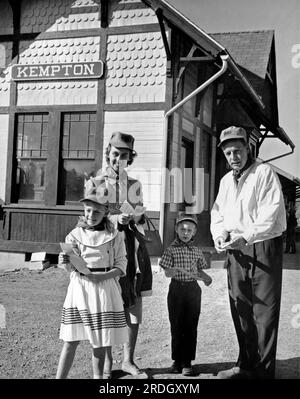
[(132, 368)]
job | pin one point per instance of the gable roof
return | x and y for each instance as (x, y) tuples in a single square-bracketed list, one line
[(251, 50)]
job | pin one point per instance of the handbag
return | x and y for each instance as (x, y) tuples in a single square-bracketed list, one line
[(152, 239)]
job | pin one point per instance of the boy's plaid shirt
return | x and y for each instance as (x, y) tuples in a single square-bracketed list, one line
[(186, 256)]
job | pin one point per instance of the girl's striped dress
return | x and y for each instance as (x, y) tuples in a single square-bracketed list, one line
[(94, 311)]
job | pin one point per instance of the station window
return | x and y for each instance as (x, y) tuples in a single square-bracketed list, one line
[(31, 154), (77, 153), (34, 167)]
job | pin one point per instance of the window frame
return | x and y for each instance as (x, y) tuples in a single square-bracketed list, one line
[(61, 155), (53, 156)]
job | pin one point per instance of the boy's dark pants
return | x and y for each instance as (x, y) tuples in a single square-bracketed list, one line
[(254, 284), (184, 304)]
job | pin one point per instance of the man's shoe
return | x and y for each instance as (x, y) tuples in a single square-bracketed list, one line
[(176, 368), (236, 373), (187, 369)]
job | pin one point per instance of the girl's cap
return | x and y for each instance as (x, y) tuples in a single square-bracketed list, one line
[(96, 197)]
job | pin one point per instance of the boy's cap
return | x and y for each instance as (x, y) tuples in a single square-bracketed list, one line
[(233, 133), (122, 140), (186, 216)]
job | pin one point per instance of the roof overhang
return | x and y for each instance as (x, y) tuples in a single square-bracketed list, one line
[(175, 17), (283, 173), (211, 47)]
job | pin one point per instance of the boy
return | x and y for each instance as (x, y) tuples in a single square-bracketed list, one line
[(183, 262)]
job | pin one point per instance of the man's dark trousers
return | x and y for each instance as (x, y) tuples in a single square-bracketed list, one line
[(184, 304), (254, 284)]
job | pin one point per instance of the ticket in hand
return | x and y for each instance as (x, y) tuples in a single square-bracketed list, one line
[(226, 245), (129, 210), (79, 264)]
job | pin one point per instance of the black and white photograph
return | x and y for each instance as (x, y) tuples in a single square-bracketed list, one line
[(149, 193)]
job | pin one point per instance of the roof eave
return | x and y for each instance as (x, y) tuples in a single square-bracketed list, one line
[(172, 15), (215, 49), (287, 175)]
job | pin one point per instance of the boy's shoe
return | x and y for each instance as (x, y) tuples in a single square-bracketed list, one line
[(176, 367), (187, 369)]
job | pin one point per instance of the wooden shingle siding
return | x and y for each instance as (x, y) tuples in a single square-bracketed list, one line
[(56, 16), (130, 12), (136, 68)]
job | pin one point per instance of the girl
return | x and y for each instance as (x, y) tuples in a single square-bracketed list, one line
[(93, 309), (122, 189)]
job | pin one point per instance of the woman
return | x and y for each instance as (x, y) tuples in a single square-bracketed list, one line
[(126, 212)]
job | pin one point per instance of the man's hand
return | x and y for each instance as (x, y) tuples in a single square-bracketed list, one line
[(238, 243), (219, 242)]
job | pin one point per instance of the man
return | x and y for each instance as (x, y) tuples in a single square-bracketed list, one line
[(248, 219)]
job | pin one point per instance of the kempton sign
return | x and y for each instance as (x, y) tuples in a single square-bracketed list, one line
[(79, 70)]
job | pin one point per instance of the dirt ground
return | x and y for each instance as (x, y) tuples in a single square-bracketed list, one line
[(30, 348)]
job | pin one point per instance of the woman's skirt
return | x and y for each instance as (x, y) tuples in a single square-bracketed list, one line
[(94, 312)]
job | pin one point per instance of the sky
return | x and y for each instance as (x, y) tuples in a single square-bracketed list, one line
[(283, 16)]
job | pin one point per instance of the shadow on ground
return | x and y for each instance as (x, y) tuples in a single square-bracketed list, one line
[(285, 369), (201, 370), (288, 368), (292, 261)]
